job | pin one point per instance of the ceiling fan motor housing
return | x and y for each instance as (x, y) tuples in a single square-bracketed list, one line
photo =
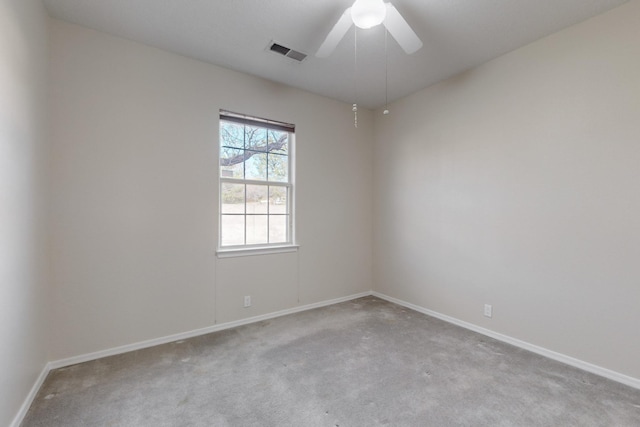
[(368, 13)]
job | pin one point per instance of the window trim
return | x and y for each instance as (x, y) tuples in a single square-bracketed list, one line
[(259, 248), (263, 250)]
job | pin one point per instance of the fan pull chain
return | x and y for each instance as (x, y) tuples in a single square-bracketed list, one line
[(355, 76), (386, 74), (355, 114)]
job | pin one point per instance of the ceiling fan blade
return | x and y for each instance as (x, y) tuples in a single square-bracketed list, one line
[(335, 35), (401, 31)]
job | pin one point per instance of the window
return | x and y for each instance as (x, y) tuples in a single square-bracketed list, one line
[(256, 182)]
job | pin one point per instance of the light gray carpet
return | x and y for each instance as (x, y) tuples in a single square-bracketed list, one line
[(365, 362)]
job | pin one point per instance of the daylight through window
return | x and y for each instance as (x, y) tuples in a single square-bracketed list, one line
[(256, 185)]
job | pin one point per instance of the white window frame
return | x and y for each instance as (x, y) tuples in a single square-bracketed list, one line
[(260, 248)]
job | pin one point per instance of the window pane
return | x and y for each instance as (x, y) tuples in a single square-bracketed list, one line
[(278, 200), (231, 163), (231, 135), (278, 142), (256, 166), (256, 138), (232, 230), (254, 182), (278, 228), (257, 199), (232, 196), (278, 168), (256, 229)]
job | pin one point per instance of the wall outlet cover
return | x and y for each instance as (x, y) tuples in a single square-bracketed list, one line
[(488, 310)]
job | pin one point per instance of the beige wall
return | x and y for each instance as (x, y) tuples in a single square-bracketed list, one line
[(23, 323), (516, 184), (134, 215)]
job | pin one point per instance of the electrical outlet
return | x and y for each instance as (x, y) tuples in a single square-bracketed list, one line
[(247, 301), (488, 310)]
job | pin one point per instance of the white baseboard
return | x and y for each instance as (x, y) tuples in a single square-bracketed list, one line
[(571, 361), (17, 420), (197, 332)]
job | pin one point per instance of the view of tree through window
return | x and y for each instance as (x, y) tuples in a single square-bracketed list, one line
[(255, 181)]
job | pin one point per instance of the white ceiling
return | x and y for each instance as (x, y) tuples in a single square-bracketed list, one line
[(457, 35)]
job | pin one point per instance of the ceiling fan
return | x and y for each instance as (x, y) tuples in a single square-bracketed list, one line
[(367, 14)]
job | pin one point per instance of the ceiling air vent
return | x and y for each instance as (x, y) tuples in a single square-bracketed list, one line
[(288, 52)]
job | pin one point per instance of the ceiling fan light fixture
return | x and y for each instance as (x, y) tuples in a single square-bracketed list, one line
[(368, 13)]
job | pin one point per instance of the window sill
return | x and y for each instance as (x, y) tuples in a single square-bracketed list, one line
[(264, 250)]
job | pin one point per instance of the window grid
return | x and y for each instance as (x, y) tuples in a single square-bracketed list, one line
[(268, 214)]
